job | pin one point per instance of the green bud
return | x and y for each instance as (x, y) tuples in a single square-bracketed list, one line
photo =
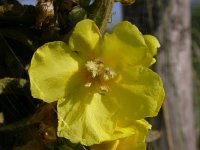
[(77, 14), (84, 3)]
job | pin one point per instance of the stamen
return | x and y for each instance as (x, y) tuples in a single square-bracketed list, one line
[(109, 74), (103, 89), (99, 74), (95, 67), (88, 84)]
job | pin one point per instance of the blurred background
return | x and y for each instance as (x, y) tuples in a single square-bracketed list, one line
[(176, 23)]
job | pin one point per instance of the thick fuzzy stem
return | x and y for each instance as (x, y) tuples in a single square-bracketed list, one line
[(100, 12)]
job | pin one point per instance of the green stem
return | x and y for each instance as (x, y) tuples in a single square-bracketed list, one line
[(100, 12)]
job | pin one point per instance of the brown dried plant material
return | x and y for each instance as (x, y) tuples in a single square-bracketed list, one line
[(126, 2), (64, 9), (1, 118), (45, 12), (46, 133), (68, 5), (46, 117)]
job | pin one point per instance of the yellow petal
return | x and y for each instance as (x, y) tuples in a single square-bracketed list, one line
[(52, 66), (85, 38), (126, 43), (111, 145), (86, 117), (82, 117), (137, 93), (152, 44), (131, 144), (134, 142)]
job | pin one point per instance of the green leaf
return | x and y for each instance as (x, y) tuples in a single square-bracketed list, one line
[(14, 86), (18, 35), (64, 144), (31, 145)]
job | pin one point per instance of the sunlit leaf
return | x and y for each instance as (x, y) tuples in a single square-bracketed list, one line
[(13, 86)]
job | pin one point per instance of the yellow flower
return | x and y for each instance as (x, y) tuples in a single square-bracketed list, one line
[(98, 81), (134, 142)]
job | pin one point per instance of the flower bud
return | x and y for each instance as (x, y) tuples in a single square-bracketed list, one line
[(77, 14), (84, 3)]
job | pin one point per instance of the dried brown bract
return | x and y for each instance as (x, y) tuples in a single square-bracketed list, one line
[(65, 7), (45, 12), (126, 2)]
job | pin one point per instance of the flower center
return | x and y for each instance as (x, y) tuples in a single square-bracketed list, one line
[(100, 74)]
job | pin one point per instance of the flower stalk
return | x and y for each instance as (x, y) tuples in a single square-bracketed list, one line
[(100, 12)]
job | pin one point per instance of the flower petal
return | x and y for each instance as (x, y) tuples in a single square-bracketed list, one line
[(134, 142), (88, 118), (52, 66), (83, 118), (126, 43), (85, 37), (152, 43), (137, 93), (111, 145)]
